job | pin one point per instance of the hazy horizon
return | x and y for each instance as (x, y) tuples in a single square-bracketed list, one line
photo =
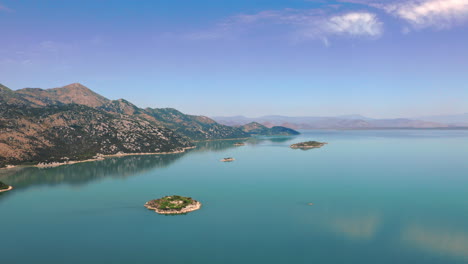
[(385, 59), (269, 114)]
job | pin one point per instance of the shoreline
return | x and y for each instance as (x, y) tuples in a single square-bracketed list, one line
[(7, 167), (101, 157), (188, 209), (209, 140), (296, 146), (6, 190)]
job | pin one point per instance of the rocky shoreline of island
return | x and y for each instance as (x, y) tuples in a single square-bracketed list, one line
[(221, 139), (188, 209), (6, 190), (308, 145), (5, 187), (173, 205)]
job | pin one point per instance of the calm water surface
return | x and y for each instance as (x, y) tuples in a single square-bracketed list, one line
[(385, 196)]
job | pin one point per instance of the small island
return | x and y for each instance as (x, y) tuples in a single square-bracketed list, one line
[(173, 204), (308, 145), (230, 159), (4, 187), (239, 144)]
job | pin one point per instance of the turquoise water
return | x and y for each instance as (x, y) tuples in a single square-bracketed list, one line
[(382, 196)]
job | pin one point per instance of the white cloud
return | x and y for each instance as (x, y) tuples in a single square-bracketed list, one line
[(355, 24), (300, 24), (438, 14)]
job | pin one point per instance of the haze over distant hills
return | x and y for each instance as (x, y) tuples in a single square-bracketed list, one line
[(454, 120), (347, 121)]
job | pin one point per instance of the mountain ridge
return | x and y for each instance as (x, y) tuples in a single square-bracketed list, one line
[(68, 94), (338, 122), (72, 123), (194, 128)]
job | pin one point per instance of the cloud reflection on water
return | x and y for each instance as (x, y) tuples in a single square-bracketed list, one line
[(444, 241), (362, 227)]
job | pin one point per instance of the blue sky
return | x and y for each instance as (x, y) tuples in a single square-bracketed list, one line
[(377, 58)]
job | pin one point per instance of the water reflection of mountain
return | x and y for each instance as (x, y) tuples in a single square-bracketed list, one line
[(221, 145), (218, 145), (272, 139), (82, 173)]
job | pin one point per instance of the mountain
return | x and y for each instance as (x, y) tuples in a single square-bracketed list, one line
[(355, 117), (70, 94), (74, 123), (339, 122), (233, 120), (454, 120), (255, 129), (194, 127), (59, 133)]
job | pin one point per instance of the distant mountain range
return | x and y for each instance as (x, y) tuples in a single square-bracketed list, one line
[(347, 122), (453, 120), (74, 123)]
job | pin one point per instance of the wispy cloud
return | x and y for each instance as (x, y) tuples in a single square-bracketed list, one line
[(298, 24), (440, 14), (5, 9), (332, 20), (352, 24)]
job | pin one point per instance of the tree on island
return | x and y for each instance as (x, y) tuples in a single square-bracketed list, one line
[(308, 145), (3, 186)]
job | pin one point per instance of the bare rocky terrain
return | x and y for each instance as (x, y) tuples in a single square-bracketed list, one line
[(75, 123)]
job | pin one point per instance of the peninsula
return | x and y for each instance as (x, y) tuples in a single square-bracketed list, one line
[(51, 127), (173, 204), (308, 145)]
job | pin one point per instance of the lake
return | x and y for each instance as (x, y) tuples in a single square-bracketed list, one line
[(378, 196)]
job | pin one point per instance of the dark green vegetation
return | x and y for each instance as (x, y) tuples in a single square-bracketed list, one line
[(257, 129), (173, 202), (308, 145), (195, 127), (86, 173), (74, 123), (3, 186)]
